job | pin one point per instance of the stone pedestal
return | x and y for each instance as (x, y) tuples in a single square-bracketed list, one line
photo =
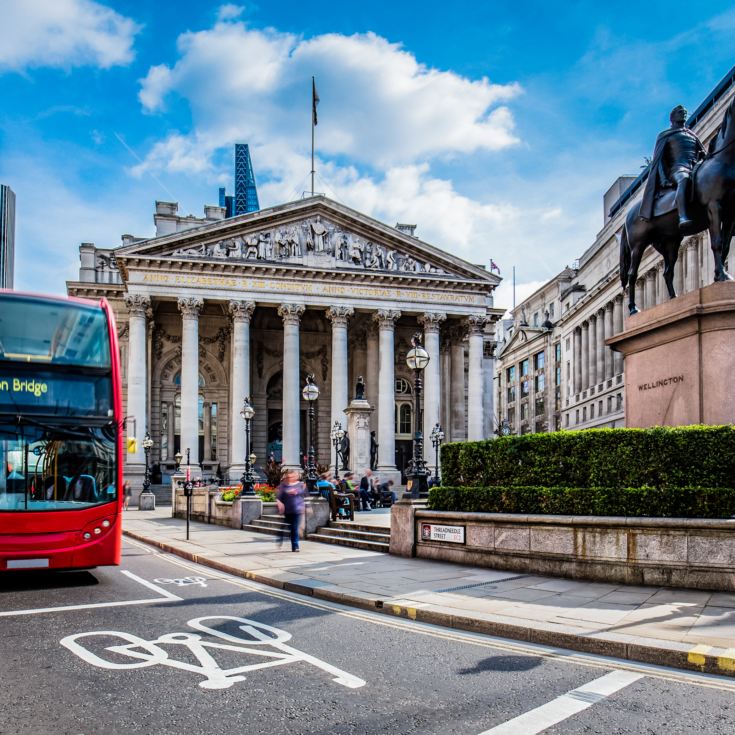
[(251, 508), (146, 501), (679, 357), (358, 429), (403, 526)]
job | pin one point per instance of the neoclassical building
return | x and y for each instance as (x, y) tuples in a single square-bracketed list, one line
[(554, 370), (211, 310)]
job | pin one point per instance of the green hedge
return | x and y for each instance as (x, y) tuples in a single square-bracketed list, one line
[(702, 456), (682, 502)]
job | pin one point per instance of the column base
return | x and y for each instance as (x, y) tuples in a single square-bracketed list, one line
[(234, 473)]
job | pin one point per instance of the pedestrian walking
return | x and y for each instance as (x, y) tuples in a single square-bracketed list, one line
[(127, 494), (290, 498)]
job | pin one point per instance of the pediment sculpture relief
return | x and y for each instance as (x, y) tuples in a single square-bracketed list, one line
[(293, 243)]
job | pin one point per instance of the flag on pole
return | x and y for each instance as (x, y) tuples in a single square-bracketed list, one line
[(314, 101), (494, 266)]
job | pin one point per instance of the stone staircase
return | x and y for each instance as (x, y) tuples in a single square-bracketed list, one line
[(162, 493), (346, 533), (270, 522)]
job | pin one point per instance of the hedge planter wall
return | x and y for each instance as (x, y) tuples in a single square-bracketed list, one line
[(692, 456), (685, 502)]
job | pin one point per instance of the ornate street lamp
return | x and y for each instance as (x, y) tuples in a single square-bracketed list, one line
[(310, 394), (177, 458), (247, 412), (336, 435), (417, 359), (147, 444), (437, 437)]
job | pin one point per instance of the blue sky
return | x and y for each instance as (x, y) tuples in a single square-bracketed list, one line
[(496, 126)]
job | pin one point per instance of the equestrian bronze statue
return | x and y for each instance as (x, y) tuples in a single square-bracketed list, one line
[(688, 190)]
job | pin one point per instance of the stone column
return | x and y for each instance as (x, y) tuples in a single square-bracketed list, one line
[(650, 288), (692, 259), (291, 315), (609, 354), (457, 400), (386, 319), (339, 316), (592, 346), (577, 359), (600, 346), (242, 312), (207, 454), (171, 431), (446, 385), (190, 307), (662, 293), (138, 308), (585, 355), (372, 377), (679, 272), (475, 328), (617, 328), (431, 322)]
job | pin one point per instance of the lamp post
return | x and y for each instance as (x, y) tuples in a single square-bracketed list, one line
[(247, 412), (177, 458), (310, 394), (147, 444), (336, 435), (417, 359), (437, 437)]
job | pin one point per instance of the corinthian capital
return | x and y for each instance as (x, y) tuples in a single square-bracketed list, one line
[(476, 323), (291, 313), (138, 304), (387, 318), (241, 311), (431, 320), (339, 315), (190, 306)]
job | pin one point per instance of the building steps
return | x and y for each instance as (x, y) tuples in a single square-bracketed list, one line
[(369, 538), (274, 527)]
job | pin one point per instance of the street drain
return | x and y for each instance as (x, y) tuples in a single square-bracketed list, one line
[(481, 584)]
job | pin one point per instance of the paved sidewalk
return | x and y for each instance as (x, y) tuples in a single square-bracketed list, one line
[(689, 629)]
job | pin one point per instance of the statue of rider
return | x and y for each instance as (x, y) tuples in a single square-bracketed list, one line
[(676, 153)]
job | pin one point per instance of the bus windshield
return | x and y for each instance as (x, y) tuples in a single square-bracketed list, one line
[(53, 332), (56, 468)]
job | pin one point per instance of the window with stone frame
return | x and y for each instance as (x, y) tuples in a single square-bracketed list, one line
[(540, 383), (539, 360)]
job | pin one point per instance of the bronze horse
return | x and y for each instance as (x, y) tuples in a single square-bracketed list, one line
[(713, 208)]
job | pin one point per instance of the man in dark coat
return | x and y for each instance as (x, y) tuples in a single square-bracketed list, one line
[(677, 151)]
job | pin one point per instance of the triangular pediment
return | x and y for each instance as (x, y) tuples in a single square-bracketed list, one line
[(313, 233), (522, 336)]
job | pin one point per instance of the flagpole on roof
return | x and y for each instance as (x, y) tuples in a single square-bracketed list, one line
[(314, 103)]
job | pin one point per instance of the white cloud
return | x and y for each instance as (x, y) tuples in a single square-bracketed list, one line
[(63, 33), (379, 105), (230, 12)]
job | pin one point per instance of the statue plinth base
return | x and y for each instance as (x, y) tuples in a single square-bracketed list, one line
[(358, 429), (679, 357)]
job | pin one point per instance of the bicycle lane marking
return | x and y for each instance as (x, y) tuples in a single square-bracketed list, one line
[(261, 641), (562, 708)]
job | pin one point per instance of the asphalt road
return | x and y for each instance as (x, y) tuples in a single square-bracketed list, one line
[(164, 646)]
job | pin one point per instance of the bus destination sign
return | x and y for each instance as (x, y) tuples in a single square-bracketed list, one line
[(53, 394)]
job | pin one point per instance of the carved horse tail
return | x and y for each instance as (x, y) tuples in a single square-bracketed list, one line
[(624, 256)]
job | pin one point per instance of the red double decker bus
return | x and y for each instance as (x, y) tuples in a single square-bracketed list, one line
[(60, 434)]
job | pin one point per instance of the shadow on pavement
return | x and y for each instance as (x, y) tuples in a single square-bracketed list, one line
[(25, 581), (503, 663)]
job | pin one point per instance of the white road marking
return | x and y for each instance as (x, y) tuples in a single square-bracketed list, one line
[(183, 581), (151, 586), (564, 707), (258, 636), (483, 640), (165, 596)]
